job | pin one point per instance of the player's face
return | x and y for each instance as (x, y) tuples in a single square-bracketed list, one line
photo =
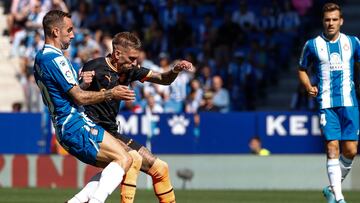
[(127, 58), (332, 23), (66, 33)]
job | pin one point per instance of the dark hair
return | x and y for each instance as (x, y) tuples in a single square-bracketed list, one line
[(126, 40), (53, 18), (256, 137), (328, 7)]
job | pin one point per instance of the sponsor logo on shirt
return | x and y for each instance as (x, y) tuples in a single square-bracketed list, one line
[(62, 63), (335, 62), (65, 70)]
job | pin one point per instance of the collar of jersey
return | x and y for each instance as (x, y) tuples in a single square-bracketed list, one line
[(54, 48), (323, 36), (107, 60)]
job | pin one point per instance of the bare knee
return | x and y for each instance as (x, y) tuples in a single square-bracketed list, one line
[(332, 149), (350, 153), (124, 160)]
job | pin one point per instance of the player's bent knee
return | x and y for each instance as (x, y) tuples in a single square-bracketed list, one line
[(350, 153), (124, 160)]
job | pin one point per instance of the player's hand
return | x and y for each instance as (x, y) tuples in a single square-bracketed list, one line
[(86, 78), (183, 65), (312, 91), (121, 92)]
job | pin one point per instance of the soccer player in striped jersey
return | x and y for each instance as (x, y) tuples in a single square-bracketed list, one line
[(335, 57), (64, 98)]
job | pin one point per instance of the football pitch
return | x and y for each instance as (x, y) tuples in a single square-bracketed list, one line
[(35, 195)]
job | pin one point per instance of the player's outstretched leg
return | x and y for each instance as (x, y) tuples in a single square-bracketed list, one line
[(128, 186), (119, 161), (161, 182), (159, 172), (84, 194)]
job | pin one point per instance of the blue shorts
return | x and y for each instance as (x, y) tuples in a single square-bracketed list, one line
[(83, 142), (340, 123)]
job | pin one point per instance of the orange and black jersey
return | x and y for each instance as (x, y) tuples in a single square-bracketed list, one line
[(106, 77)]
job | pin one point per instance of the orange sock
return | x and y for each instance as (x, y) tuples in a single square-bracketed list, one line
[(161, 182), (128, 186)]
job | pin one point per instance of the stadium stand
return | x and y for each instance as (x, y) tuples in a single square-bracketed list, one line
[(247, 54), (11, 90)]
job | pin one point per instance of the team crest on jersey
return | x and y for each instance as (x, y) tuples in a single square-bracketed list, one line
[(322, 119), (346, 47), (94, 131)]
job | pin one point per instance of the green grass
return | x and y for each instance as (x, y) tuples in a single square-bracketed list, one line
[(36, 195)]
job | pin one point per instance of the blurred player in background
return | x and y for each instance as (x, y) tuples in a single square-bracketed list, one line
[(121, 68), (334, 56), (61, 93), (256, 148)]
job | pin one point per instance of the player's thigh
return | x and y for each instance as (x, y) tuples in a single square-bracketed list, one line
[(83, 142), (148, 158), (349, 117), (330, 124), (129, 142), (111, 150)]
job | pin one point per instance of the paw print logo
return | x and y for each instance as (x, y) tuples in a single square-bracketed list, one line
[(178, 124)]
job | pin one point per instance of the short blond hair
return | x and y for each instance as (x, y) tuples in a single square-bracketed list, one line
[(126, 40)]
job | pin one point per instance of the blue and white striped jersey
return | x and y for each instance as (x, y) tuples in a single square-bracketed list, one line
[(334, 68), (55, 76)]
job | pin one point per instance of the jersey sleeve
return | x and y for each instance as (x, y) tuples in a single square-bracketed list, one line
[(63, 73), (142, 74), (357, 49), (89, 66), (305, 57)]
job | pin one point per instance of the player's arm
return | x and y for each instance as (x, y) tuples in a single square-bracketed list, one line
[(82, 97), (168, 77), (305, 80)]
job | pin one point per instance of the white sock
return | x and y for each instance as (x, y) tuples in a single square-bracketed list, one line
[(74, 200), (334, 173), (111, 177), (345, 165), (84, 194)]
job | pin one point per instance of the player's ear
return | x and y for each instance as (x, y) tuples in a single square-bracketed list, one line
[(341, 21), (55, 31), (117, 54)]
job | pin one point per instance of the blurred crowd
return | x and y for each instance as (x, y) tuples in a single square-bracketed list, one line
[(238, 47)]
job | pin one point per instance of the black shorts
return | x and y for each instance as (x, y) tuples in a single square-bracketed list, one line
[(128, 141)]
